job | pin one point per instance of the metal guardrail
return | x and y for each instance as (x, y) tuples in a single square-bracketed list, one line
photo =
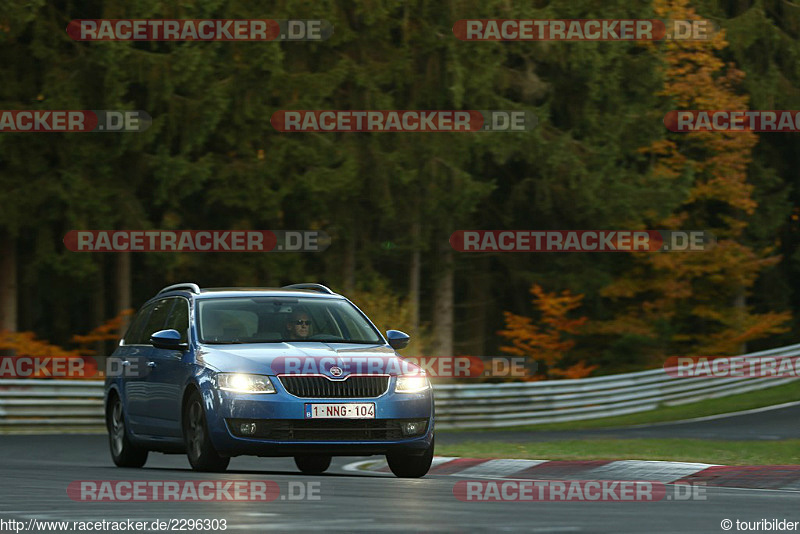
[(554, 401), (77, 405), (38, 405)]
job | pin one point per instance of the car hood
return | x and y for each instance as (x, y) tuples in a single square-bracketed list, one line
[(277, 358)]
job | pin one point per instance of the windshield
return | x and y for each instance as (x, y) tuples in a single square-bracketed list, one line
[(278, 319)]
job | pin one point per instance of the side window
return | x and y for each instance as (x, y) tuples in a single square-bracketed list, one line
[(179, 319), (157, 320), (134, 334)]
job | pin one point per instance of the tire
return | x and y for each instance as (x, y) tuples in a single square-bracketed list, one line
[(123, 452), (312, 465), (405, 465), (199, 449)]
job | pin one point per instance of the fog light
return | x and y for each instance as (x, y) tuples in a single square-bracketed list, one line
[(413, 428), (247, 429)]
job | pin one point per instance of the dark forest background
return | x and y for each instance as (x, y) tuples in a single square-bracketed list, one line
[(600, 158)]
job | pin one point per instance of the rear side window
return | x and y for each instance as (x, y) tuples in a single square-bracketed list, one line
[(134, 335), (157, 319), (179, 319)]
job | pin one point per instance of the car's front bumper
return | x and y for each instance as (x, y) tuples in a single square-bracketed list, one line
[(286, 411)]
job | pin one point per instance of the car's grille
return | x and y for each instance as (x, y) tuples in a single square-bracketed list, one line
[(322, 430), (323, 388)]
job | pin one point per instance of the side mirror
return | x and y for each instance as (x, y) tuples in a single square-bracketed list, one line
[(397, 339), (168, 339)]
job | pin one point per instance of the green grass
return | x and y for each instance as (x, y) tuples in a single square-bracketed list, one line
[(784, 452), (734, 403)]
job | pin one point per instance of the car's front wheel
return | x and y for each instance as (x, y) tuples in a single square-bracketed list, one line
[(123, 452), (405, 465), (201, 452), (312, 465)]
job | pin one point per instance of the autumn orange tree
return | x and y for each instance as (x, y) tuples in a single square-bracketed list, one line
[(695, 302), (547, 340), (27, 345), (108, 331)]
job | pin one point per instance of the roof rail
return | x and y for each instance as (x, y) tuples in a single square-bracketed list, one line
[(312, 287), (194, 288)]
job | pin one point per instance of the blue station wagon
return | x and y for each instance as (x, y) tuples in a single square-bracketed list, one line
[(297, 371)]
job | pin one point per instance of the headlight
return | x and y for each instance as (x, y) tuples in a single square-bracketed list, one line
[(241, 383), (412, 384)]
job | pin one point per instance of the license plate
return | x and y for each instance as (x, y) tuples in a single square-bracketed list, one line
[(353, 410)]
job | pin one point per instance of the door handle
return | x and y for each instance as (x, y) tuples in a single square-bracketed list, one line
[(126, 363), (151, 364)]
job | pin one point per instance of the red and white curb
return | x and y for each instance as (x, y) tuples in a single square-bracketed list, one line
[(780, 477)]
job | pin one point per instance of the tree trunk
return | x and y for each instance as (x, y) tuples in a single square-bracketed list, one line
[(443, 307), (740, 305), (8, 283), (123, 285), (414, 276), (99, 306), (350, 266), (480, 298)]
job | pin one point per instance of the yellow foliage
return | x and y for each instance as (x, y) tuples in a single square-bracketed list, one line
[(684, 288)]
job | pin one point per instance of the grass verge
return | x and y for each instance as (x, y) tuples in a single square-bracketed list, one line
[(784, 452)]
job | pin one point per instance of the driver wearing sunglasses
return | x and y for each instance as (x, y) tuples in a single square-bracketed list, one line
[(299, 326)]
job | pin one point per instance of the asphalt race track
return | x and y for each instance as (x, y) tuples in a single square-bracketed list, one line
[(36, 471)]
